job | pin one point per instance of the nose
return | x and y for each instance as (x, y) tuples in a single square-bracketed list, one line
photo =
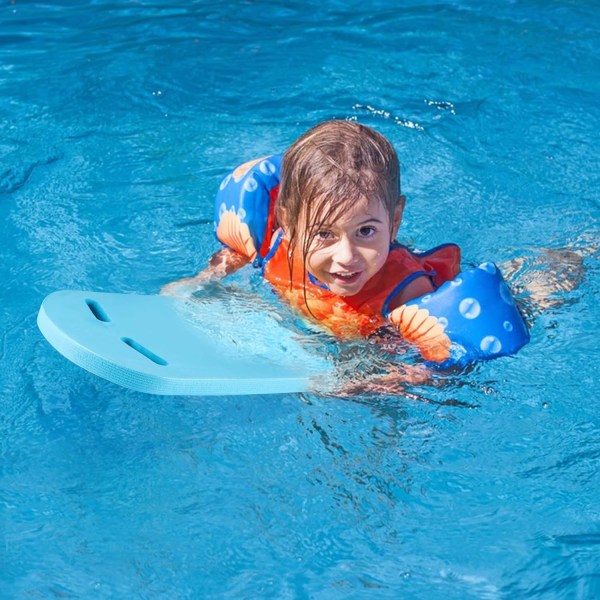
[(344, 252)]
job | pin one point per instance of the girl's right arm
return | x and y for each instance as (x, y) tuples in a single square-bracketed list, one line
[(222, 263), (244, 219)]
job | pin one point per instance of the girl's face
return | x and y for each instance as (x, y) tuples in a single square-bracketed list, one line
[(344, 255)]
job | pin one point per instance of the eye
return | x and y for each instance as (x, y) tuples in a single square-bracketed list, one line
[(324, 234), (367, 231)]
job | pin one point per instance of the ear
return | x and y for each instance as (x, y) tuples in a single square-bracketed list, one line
[(397, 219)]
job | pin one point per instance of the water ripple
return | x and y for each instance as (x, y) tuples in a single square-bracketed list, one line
[(120, 119), (16, 175)]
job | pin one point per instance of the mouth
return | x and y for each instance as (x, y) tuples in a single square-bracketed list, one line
[(345, 277)]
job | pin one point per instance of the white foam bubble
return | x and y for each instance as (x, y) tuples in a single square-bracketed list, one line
[(508, 326), (443, 322), (490, 344), (267, 167), (469, 308), (456, 282), (250, 184)]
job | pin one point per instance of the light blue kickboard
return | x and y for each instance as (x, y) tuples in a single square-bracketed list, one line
[(146, 343)]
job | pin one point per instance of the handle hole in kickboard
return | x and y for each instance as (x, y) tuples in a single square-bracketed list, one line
[(97, 311), (145, 352)]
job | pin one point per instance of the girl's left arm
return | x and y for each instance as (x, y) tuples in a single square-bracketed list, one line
[(415, 289), (394, 381)]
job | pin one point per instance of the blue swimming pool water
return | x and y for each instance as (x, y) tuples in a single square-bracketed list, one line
[(118, 120)]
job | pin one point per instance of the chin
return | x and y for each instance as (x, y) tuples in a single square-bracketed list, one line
[(344, 291)]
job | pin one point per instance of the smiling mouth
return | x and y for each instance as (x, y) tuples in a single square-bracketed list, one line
[(346, 277)]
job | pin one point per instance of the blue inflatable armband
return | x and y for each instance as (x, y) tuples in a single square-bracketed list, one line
[(243, 203), (478, 314)]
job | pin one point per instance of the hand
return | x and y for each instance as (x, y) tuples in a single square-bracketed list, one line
[(393, 382), (183, 288), (222, 263)]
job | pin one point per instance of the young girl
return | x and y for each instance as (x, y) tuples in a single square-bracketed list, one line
[(324, 237)]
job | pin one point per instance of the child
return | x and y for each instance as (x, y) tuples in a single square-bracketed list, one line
[(325, 237)]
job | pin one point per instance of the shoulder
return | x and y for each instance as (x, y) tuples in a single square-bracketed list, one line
[(415, 274), (245, 206), (417, 287)]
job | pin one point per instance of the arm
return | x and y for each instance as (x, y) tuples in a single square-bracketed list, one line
[(542, 281), (417, 326), (222, 263), (400, 375), (395, 381), (244, 218), (415, 289)]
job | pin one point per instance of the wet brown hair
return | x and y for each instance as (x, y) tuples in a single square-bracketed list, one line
[(334, 165)]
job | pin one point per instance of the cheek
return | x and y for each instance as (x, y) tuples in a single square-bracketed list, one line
[(379, 256), (315, 260)]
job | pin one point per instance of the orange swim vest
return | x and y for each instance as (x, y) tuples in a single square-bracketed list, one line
[(367, 311)]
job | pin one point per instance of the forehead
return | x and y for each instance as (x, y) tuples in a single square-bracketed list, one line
[(352, 210)]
